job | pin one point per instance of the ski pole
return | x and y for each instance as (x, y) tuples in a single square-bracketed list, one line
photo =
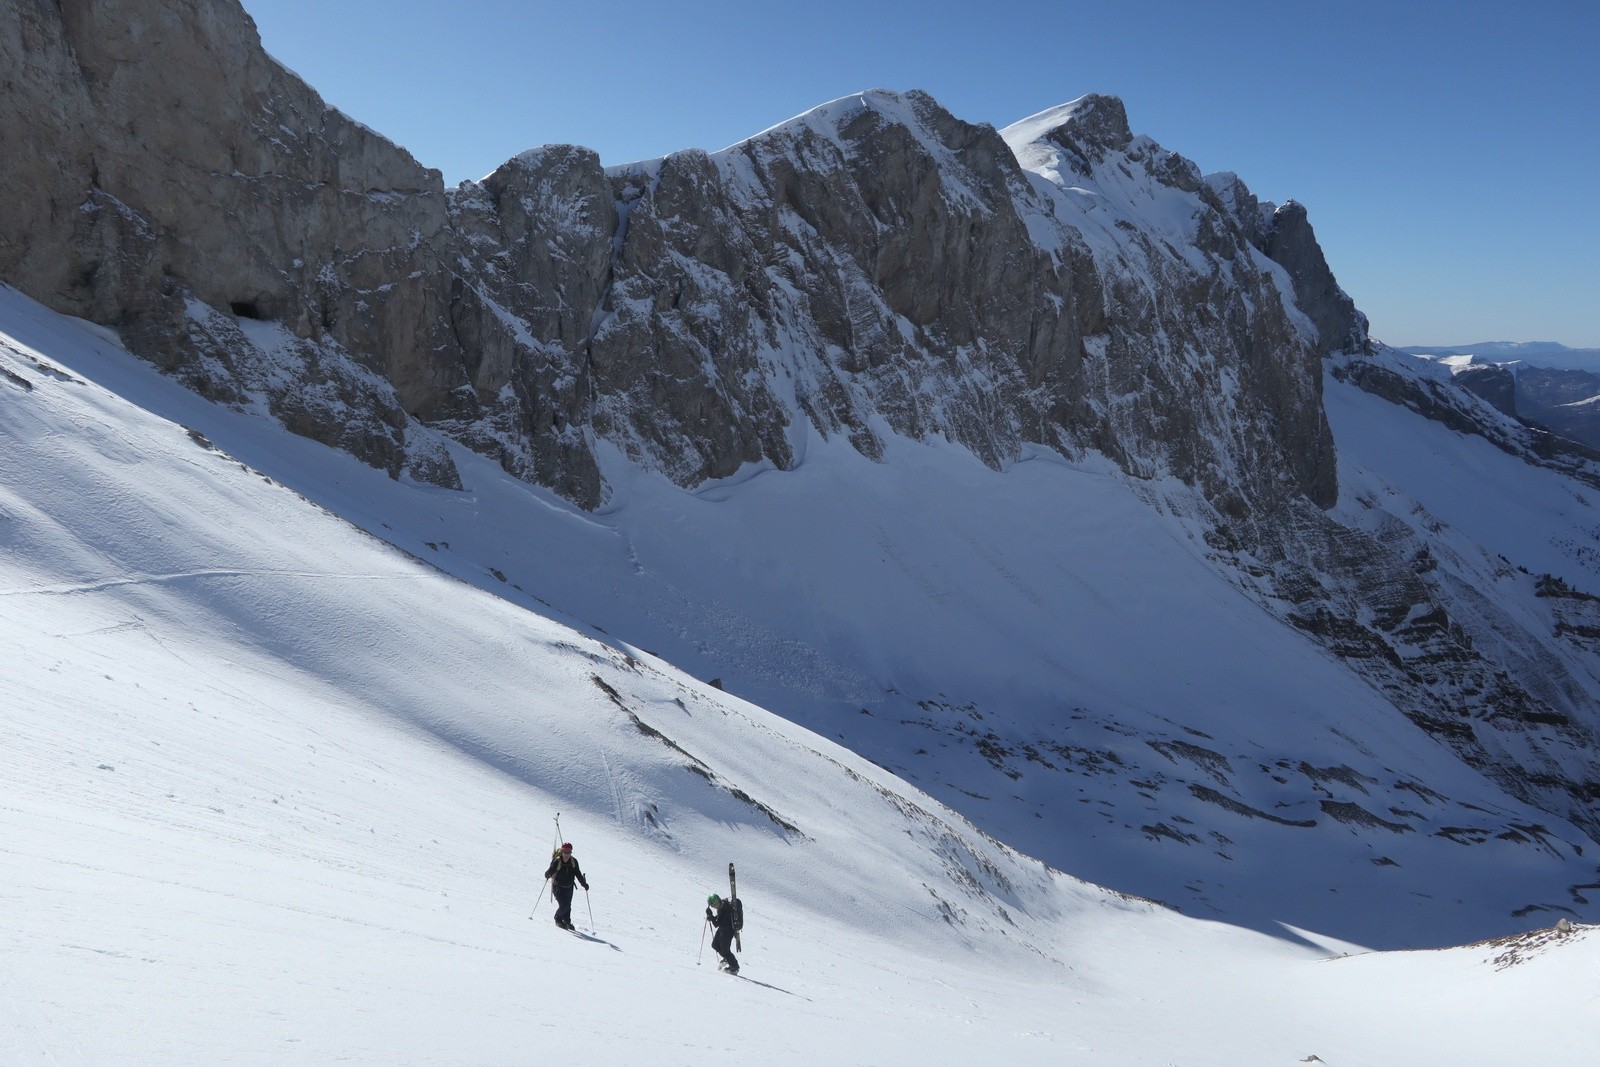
[(699, 955), (540, 896), (547, 881), (590, 906)]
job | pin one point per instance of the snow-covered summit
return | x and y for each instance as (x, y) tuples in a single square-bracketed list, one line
[(1096, 121), (901, 108)]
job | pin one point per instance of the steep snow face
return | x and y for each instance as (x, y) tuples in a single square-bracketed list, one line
[(1467, 476), (224, 690), (139, 519), (1081, 679), (274, 790)]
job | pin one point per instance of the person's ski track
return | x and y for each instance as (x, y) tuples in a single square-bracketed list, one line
[(103, 585)]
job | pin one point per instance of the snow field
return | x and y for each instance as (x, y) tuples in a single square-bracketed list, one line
[(273, 792)]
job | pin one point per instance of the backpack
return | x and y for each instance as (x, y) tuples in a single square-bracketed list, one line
[(738, 914)]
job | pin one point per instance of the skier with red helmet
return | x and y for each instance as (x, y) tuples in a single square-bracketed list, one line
[(562, 873)]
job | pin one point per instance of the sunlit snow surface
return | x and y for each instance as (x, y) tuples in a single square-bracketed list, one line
[(272, 791)]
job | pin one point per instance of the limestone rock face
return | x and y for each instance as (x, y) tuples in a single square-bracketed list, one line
[(185, 168), (1187, 313), (869, 258), (875, 264), (536, 239), (1291, 242)]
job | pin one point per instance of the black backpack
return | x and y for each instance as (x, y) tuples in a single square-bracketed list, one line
[(738, 914)]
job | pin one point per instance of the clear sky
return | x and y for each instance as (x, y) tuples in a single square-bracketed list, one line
[(1447, 150)]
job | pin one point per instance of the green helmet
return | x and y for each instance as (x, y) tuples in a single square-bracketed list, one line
[(712, 899)]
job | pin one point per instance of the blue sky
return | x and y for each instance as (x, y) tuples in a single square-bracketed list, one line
[(1449, 153)]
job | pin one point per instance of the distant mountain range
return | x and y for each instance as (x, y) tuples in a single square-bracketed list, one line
[(1531, 353)]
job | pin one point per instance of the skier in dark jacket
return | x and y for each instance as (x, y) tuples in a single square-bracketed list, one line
[(722, 919), (563, 871)]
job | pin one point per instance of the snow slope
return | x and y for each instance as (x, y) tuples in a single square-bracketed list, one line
[(1079, 679), (275, 792)]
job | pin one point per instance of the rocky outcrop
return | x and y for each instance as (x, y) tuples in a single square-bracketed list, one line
[(1188, 307), (537, 241), (833, 258), (1563, 400), (1290, 241), (187, 171)]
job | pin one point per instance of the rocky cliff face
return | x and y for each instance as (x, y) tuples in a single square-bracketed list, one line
[(876, 267), (876, 263), (178, 179)]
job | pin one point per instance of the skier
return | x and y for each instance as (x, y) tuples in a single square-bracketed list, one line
[(723, 920), (562, 872)]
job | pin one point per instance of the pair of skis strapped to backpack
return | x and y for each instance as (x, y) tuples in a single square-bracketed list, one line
[(738, 908)]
